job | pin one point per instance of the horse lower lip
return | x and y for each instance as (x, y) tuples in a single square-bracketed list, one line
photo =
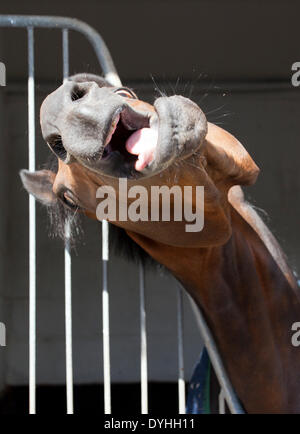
[(112, 129)]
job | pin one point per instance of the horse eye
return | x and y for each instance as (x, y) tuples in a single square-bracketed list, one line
[(68, 201), (126, 93)]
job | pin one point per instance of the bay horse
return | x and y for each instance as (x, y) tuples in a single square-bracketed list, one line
[(233, 268)]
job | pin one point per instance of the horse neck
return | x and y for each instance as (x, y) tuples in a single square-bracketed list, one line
[(250, 307)]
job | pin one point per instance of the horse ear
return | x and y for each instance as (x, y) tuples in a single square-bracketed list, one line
[(39, 184), (226, 155)]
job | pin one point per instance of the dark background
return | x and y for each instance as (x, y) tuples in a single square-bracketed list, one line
[(228, 40), (234, 59)]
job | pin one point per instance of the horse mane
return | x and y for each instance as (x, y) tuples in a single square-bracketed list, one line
[(122, 245), (247, 212)]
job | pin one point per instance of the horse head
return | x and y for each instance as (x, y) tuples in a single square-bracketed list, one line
[(100, 133)]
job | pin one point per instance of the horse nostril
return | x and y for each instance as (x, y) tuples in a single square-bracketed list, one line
[(77, 93), (57, 147)]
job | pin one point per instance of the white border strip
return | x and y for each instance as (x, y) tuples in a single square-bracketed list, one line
[(144, 362), (32, 228)]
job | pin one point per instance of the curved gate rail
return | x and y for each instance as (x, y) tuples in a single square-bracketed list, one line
[(30, 22)]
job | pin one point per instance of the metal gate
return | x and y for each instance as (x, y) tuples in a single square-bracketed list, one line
[(109, 71)]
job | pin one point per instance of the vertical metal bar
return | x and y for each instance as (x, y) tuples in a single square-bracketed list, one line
[(221, 402), (68, 321), (105, 318), (144, 363), (181, 382), (216, 361), (65, 43), (113, 78), (68, 269), (32, 227)]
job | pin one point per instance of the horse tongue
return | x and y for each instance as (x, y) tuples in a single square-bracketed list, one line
[(142, 143)]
